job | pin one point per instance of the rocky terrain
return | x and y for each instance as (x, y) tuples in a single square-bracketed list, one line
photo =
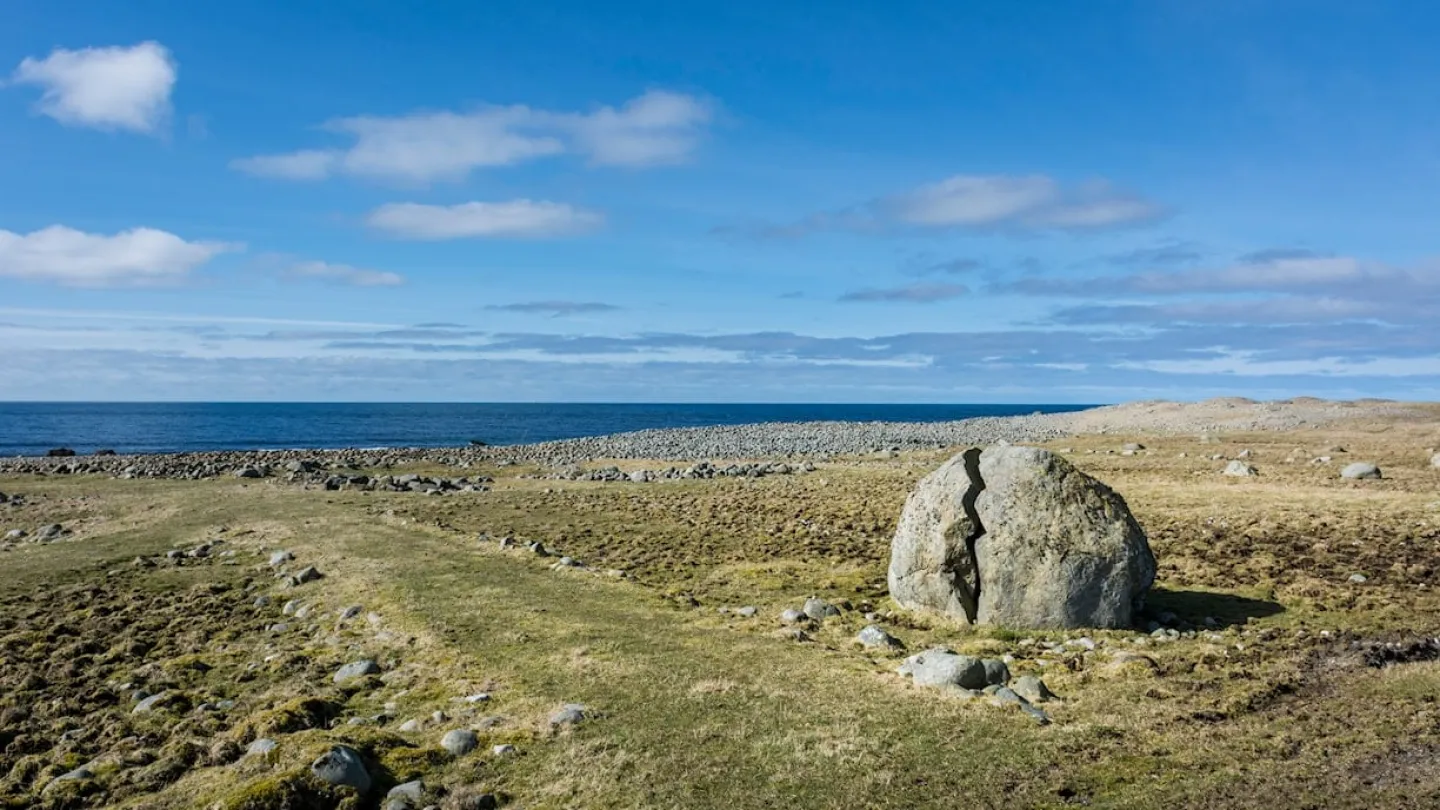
[(667, 632)]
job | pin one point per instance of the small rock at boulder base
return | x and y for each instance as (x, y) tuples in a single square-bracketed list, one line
[(59, 452), (1239, 469), (996, 672), (341, 765), (249, 472), (1016, 536), (569, 714), (1360, 470), (356, 669), (818, 609), (1032, 689), (793, 616), (412, 792), (459, 742), (940, 666), (873, 636)]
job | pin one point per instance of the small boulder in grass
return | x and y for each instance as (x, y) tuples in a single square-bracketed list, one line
[(459, 742), (569, 715), (1360, 471), (874, 637), (341, 765)]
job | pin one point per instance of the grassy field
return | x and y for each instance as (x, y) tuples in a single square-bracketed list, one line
[(1270, 705)]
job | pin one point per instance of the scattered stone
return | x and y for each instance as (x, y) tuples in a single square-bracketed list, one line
[(356, 669), (290, 607), (1034, 711), (15, 534), (996, 672), (1435, 461), (351, 612), (260, 748), (569, 714), (1358, 579), (460, 741), (410, 726), (279, 558), (149, 704), (819, 610), (873, 636), (478, 697), (408, 794), (1004, 695), (503, 750), (341, 765), (940, 666), (1360, 470), (793, 616), (747, 611), (1032, 689), (59, 452), (1240, 469), (307, 574)]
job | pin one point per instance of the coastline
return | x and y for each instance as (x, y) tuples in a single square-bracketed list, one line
[(814, 441)]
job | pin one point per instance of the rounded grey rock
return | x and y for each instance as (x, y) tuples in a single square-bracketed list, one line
[(940, 666), (459, 742), (260, 747), (873, 636), (819, 610), (793, 616), (341, 765), (996, 672), (1032, 689), (569, 714), (1360, 470), (356, 669)]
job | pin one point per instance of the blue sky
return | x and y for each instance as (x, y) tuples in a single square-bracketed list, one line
[(910, 202)]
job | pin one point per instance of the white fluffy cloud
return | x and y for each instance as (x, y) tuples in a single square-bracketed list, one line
[(106, 88), (1030, 201), (655, 128), (513, 219), (139, 256), (345, 274)]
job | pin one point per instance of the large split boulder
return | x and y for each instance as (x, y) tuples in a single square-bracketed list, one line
[(1017, 537)]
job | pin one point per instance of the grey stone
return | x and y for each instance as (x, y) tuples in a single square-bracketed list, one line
[(818, 609), (261, 747), (356, 669), (873, 636), (1435, 461), (148, 704), (307, 574), (1358, 579), (350, 612), (1034, 711), (996, 672), (406, 795), (503, 750), (1004, 695), (50, 532), (410, 726), (341, 765), (1239, 469), (793, 616), (15, 534), (940, 666), (279, 558), (249, 472), (569, 714), (931, 564), (1360, 470), (459, 742), (747, 611), (1032, 689)]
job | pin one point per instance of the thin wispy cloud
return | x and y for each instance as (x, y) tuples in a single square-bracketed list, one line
[(110, 88), (513, 219), (910, 294), (555, 309), (344, 274), (978, 203), (72, 258), (654, 129)]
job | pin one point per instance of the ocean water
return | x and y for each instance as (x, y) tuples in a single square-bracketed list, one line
[(31, 428)]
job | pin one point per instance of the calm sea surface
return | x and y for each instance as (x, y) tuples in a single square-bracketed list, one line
[(31, 428)]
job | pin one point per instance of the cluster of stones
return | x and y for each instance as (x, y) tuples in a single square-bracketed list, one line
[(968, 677), (704, 469)]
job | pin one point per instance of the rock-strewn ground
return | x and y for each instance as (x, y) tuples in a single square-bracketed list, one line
[(708, 641)]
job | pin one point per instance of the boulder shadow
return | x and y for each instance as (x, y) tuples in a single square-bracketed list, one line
[(1193, 607)]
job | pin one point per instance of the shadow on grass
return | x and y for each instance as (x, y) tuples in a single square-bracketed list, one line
[(1194, 606)]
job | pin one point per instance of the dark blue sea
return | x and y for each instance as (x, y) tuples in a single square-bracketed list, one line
[(31, 428)]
